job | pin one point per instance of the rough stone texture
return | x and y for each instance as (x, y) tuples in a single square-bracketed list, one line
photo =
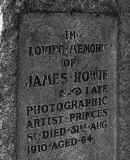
[(8, 55), (124, 89), (72, 5), (7, 85)]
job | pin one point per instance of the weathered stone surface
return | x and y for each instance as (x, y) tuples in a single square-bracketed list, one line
[(46, 78), (124, 37), (8, 67), (72, 5), (124, 6), (124, 89)]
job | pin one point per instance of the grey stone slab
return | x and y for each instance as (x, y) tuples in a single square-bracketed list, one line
[(66, 96)]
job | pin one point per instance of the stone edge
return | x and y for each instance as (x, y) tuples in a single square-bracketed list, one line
[(123, 100), (8, 71)]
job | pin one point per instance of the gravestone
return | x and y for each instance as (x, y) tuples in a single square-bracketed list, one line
[(64, 73), (67, 87)]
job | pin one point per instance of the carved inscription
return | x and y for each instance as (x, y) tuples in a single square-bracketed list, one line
[(67, 87)]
